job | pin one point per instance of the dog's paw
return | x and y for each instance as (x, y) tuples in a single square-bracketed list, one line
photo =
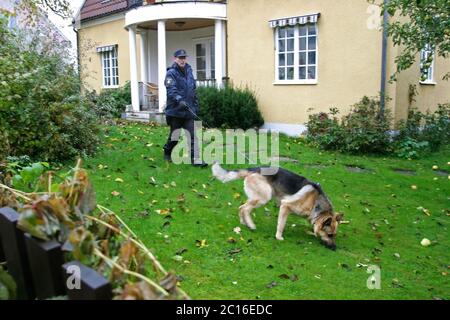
[(278, 237), (252, 227)]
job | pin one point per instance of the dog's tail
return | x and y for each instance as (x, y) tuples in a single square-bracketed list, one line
[(227, 176)]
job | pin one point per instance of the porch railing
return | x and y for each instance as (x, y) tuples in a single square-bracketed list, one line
[(148, 96), (205, 83)]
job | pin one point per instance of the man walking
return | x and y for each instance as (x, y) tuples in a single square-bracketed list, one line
[(182, 107)]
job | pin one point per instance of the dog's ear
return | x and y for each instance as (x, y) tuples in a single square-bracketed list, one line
[(339, 217), (328, 221)]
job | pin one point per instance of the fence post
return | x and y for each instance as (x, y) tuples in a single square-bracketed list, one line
[(15, 253), (83, 283), (2, 254), (46, 259)]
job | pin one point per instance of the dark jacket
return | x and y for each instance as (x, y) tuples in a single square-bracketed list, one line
[(180, 87)]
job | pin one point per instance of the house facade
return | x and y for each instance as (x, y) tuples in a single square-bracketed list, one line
[(295, 55)]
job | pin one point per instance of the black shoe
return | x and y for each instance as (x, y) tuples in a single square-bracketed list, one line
[(199, 164), (167, 157)]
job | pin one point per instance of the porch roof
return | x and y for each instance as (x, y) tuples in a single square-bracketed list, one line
[(176, 10)]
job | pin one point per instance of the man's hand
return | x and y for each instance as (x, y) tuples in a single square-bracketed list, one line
[(183, 105)]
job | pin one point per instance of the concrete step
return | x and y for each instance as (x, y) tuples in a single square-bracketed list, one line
[(145, 116)]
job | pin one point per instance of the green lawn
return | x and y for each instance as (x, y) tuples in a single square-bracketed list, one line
[(173, 208)]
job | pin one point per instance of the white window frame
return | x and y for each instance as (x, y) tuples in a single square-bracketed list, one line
[(209, 44), (424, 54), (296, 79), (110, 56)]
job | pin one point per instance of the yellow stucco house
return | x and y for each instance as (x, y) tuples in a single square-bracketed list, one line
[(294, 54)]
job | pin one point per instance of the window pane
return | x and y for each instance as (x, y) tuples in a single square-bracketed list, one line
[(281, 60), (302, 72), (281, 32), (312, 43), (281, 73), (213, 74), (312, 29), (201, 63), (312, 72), (290, 32), (302, 43), (290, 59), (290, 45), (281, 46), (302, 58), (200, 50), (312, 57), (213, 57), (303, 30), (201, 75), (290, 73)]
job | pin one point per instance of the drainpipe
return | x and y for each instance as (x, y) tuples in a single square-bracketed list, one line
[(78, 50), (383, 59)]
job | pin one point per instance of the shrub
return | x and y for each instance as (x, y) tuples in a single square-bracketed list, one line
[(423, 132), (41, 112), (230, 107), (324, 130), (110, 103), (363, 130)]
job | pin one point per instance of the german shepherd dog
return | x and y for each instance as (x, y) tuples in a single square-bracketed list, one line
[(293, 193)]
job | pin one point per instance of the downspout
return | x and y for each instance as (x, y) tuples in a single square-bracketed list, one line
[(384, 59), (78, 51)]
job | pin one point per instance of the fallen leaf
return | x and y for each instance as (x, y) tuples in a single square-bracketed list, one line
[(234, 251), (283, 276), (425, 242), (237, 230), (115, 193), (177, 258), (119, 180), (236, 195), (231, 240), (201, 243), (181, 251)]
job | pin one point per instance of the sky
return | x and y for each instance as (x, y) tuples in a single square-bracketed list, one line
[(65, 25)]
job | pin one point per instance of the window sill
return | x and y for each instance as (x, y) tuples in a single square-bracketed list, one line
[(110, 87), (428, 83), (295, 82)]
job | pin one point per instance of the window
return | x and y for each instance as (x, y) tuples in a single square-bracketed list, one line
[(296, 57), (296, 51), (205, 59), (110, 68), (427, 65)]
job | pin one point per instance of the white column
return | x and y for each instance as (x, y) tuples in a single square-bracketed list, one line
[(144, 56), (224, 49), (162, 64), (218, 39), (133, 69)]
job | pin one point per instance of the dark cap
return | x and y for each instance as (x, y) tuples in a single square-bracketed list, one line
[(180, 53)]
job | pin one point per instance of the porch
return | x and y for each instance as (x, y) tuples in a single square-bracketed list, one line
[(163, 27)]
